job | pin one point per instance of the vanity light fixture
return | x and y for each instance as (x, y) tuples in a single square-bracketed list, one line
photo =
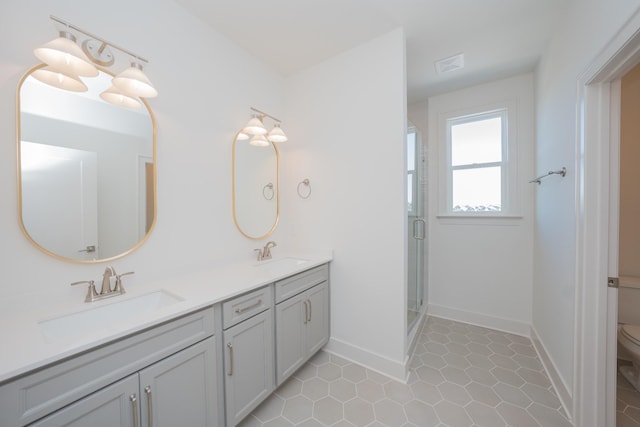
[(134, 82), (255, 126), (277, 134), (256, 130), (67, 62), (66, 56)]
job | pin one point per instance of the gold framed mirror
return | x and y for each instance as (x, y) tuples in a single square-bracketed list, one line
[(86, 171), (255, 188)]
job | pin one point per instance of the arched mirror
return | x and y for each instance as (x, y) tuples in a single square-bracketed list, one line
[(256, 192), (87, 177)]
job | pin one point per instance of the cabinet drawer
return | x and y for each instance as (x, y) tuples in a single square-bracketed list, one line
[(35, 395), (246, 306), (300, 282)]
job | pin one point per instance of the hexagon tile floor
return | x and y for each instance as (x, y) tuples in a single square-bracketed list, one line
[(461, 376), (628, 403)]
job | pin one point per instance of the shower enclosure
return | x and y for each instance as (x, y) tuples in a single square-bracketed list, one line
[(416, 227)]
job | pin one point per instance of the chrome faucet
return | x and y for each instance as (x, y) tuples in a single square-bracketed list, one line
[(265, 253), (105, 291)]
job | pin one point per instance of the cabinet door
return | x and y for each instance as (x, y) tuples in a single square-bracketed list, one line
[(318, 318), (181, 390), (249, 365), (114, 405), (290, 336)]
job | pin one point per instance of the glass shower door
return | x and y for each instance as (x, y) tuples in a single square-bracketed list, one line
[(416, 228)]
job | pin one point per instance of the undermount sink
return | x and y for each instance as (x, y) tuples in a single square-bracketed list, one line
[(85, 322), (282, 265)]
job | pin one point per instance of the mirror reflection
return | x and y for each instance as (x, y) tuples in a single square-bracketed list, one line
[(87, 175), (255, 188)]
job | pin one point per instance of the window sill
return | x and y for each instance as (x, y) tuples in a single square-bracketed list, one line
[(480, 219)]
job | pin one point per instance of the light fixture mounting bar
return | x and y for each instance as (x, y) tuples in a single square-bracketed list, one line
[(105, 42), (265, 114)]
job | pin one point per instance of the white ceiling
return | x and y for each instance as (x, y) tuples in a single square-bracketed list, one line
[(498, 37)]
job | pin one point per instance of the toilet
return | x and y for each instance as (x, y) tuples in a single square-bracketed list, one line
[(629, 340)]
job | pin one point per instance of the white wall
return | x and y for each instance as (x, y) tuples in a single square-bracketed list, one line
[(347, 131), (493, 288), (206, 86), (589, 24)]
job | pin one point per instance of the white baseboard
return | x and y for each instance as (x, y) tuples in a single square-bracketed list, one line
[(398, 371), (561, 388), (500, 324)]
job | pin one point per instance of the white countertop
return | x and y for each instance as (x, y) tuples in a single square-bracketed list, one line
[(27, 348)]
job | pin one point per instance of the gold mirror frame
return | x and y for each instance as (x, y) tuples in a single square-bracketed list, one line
[(154, 168), (234, 189)]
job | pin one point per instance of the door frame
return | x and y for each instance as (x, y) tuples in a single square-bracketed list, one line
[(597, 139)]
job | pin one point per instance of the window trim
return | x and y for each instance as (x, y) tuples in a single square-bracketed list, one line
[(510, 207)]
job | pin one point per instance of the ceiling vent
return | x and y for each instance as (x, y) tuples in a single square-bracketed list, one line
[(450, 64)]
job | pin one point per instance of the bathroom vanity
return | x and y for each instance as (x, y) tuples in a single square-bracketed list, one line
[(206, 359)]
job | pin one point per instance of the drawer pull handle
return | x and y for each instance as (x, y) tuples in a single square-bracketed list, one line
[(147, 390), (310, 310), (230, 347), (251, 307), (134, 408)]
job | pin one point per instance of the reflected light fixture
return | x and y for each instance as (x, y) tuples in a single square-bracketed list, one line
[(115, 97), (259, 141), (256, 130), (60, 79), (67, 62)]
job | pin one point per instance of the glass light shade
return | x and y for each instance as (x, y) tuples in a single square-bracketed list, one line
[(56, 78), (242, 136), (255, 126), (65, 55), (134, 82), (115, 97), (277, 134), (259, 141)]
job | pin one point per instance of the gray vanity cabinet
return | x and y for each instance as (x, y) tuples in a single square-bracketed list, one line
[(248, 353), (302, 319), (175, 391), (107, 385), (181, 390), (115, 405)]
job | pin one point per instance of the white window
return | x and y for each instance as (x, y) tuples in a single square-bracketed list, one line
[(478, 164)]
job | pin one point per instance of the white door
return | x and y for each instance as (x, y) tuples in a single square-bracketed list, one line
[(60, 199)]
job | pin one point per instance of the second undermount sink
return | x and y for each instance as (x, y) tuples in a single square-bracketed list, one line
[(71, 326), (282, 265)]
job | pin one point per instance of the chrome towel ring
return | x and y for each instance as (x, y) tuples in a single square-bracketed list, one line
[(301, 192)]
